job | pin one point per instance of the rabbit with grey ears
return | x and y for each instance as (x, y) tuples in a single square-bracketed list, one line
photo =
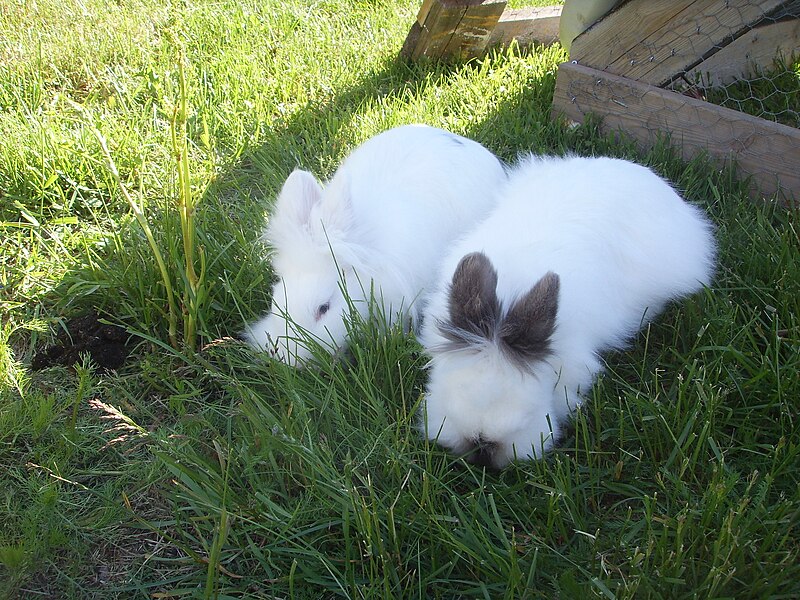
[(578, 255), (377, 230)]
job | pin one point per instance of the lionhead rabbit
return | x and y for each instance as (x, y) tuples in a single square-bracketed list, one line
[(577, 256), (378, 230)]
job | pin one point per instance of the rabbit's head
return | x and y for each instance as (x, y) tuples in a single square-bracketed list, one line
[(491, 389), (313, 259)]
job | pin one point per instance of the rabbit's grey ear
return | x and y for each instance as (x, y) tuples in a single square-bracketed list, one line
[(299, 194), (529, 324), (473, 304)]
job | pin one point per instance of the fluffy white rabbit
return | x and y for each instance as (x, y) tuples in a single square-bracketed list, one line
[(578, 255), (378, 230)]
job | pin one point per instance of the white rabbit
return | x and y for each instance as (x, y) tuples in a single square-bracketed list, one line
[(578, 254), (377, 230)]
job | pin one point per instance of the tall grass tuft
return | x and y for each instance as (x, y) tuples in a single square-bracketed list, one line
[(194, 282), (141, 219)]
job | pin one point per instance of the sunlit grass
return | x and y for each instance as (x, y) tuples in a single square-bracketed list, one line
[(772, 94), (221, 473)]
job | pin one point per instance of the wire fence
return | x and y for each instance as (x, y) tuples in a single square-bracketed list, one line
[(755, 66), (651, 69)]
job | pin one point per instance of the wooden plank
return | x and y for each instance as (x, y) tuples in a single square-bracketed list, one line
[(749, 55), (622, 29), (426, 7), (412, 40), (474, 30), (527, 26), (767, 151), (452, 28), (579, 15), (424, 10), (440, 24), (656, 41)]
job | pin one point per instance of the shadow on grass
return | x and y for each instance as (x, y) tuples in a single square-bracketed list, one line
[(319, 136)]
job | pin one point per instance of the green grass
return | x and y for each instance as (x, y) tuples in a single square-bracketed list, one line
[(220, 474), (773, 94)]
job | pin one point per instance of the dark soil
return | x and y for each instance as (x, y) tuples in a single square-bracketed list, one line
[(106, 344)]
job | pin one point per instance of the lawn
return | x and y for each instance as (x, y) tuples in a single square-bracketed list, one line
[(184, 464)]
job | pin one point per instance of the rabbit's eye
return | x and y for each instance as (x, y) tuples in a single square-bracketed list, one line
[(323, 309)]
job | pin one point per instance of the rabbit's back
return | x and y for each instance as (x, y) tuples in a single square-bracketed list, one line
[(616, 210), (415, 188), (620, 238)]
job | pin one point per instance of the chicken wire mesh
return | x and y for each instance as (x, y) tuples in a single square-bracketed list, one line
[(651, 68), (755, 67)]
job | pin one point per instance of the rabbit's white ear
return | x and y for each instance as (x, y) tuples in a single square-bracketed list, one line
[(300, 193), (336, 211), (529, 324)]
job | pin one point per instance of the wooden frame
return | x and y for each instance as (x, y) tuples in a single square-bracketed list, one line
[(463, 29), (631, 66), (768, 152), (622, 66)]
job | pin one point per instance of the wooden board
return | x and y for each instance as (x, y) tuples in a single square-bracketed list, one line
[(749, 55), (527, 26), (767, 151), (452, 28), (656, 41), (422, 15), (440, 23), (579, 15), (475, 28), (424, 10)]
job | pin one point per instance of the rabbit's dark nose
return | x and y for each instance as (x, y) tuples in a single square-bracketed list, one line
[(482, 453)]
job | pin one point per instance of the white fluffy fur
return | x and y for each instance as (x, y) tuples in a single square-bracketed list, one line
[(623, 244), (380, 226)]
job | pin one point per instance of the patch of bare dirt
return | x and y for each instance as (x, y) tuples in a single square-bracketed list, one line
[(106, 344)]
